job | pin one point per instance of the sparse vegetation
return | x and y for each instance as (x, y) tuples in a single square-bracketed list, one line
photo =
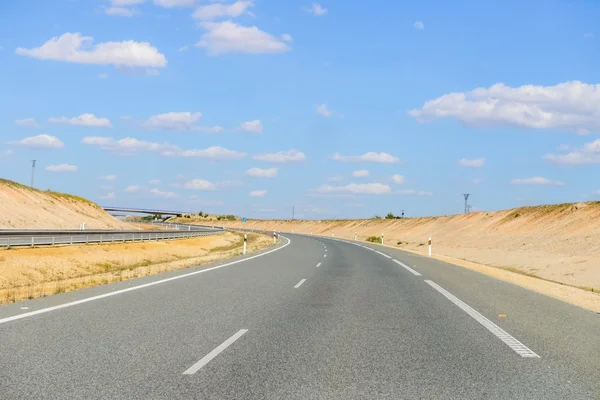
[(373, 239)]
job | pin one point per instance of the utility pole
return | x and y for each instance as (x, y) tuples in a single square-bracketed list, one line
[(466, 202), (32, 171)]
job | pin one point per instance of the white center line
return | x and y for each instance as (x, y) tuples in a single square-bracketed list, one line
[(299, 283), (145, 285), (385, 255), (207, 358), (513, 343), (407, 267), (318, 265)]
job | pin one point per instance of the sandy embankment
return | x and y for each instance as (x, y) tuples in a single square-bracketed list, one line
[(24, 208), (27, 273), (559, 243)]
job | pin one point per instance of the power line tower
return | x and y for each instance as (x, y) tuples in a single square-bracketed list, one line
[(466, 202), (32, 171)]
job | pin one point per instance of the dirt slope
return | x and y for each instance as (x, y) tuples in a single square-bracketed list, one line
[(555, 242), (24, 208)]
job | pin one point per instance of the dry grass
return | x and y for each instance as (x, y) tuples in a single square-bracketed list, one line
[(30, 273)]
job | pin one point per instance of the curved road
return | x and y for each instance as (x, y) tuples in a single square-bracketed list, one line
[(315, 318)]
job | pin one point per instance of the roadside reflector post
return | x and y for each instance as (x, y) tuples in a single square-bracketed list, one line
[(429, 243), (274, 238), (354, 235), (245, 240), (382, 238)]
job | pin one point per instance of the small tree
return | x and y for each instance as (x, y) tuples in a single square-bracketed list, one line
[(390, 216)]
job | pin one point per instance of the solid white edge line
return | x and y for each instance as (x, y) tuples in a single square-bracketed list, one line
[(383, 254), (406, 267), (207, 358), (318, 265), (500, 333), (299, 283), (145, 285)]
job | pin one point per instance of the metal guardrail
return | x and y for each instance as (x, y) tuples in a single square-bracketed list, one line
[(70, 237), (188, 227)]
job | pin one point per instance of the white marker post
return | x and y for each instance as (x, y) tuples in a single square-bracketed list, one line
[(429, 246), (381, 238), (274, 238), (354, 235), (245, 239)]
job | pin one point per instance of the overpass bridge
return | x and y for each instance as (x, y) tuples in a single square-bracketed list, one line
[(133, 210)]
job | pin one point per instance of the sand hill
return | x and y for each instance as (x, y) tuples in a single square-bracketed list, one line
[(554, 242), (24, 208)]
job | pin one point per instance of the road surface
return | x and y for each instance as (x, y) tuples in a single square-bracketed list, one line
[(314, 318)]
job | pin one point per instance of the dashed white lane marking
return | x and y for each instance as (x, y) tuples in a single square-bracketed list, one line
[(318, 265), (145, 285), (325, 255), (207, 358), (513, 343), (299, 283), (385, 255), (406, 267)]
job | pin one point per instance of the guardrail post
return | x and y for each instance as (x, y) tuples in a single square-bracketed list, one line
[(100, 239), (32, 239), (8, 244), (71, 239)]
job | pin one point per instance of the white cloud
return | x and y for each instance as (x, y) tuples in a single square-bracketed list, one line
[(61, 168), (83, 120), (286, 37), (154, 182), (281, 156), (336, 178), (317, 10), (127, 146), (133, 189), (563, 147), (262, 172), (199, 184), (472, 163), (588, 154), (356, 188), (27, 123), (7, 153), (109, 178), (76, 48), (536, 180), (229, 37), (573, 106), (211, 153), (175, 3), (138, 71), (251, 127), (412, 192), (419, 25), (213, 11), (258, 193), (360, 173), (120, 11), (108, 196), (322, 110), (367, 157), (163, 195), (183, 48), (102, 76), (42, 141), (179, 121), (398, 179)]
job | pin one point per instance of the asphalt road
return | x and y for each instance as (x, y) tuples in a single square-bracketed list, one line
[(277, 326)]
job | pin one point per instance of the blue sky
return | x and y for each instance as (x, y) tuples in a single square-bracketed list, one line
[(343, 109)]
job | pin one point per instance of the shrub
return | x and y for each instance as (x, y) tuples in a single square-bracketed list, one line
[(374, 239), (390, 216)]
